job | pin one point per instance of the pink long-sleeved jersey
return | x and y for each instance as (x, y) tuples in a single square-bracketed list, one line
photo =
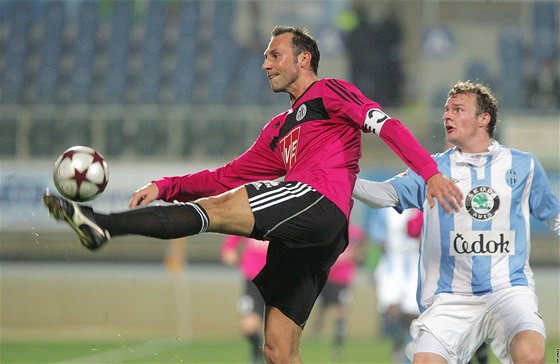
[(252, 253), (317, 142)]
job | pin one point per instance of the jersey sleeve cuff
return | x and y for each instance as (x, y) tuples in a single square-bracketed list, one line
[(428, 171), (162, 185)]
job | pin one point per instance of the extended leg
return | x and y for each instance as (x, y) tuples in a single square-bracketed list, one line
[(227, 213)]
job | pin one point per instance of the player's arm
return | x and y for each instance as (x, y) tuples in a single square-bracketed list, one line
[(403, 191), (543, 202), (229, 252), (257, 163), (346, 100), (414, 224), (375, 194), (407, 147)]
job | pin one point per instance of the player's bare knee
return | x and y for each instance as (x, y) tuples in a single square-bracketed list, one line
[(229, 212), (526, 348), (276, 355)]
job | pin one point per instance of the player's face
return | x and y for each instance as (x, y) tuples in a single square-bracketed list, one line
[(280, 64), (460, 120)]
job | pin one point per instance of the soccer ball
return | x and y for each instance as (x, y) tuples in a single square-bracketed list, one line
[(80, 174)]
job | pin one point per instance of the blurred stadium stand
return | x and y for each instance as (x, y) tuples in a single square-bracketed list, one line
[(72, 71), (175, 80)]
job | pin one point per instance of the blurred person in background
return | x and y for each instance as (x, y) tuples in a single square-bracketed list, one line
[(396, 274), (396, 277), (175, 259), (315, 146), (337, 293), (381, 76), (250, 255), (476, 283)]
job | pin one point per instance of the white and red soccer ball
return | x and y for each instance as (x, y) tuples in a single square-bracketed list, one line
[(80, 174)]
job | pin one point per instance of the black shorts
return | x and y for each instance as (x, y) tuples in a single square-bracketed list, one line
[(251, 301), (307, 233)]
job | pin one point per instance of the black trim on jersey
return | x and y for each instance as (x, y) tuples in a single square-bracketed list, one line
[(341, 91), (315, 111)]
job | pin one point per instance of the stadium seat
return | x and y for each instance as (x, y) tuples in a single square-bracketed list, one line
[(150, 73), (117, 52), (185, 71), (512, 88), (15, 22), (50, 53), (477, 71), (223, 51), (84, 53)]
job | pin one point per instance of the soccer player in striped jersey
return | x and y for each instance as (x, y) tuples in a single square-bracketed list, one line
[(315, 146), (475, 282)]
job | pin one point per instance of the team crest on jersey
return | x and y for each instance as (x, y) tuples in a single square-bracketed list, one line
[(289, 145), (482, 202), (302, 110), (511, 177)]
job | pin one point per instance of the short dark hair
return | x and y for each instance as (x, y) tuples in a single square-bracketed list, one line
[(485, 101), (302, 42)]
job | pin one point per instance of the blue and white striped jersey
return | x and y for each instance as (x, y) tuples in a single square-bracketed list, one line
[(486, 246)]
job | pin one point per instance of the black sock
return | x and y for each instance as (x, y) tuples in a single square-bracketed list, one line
[(256, 347), (163, 222), (339, 332)]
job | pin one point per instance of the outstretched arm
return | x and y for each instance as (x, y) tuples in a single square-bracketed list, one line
[(407, 147), (375, 194)]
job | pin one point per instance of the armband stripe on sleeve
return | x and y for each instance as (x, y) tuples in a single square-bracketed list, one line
[(375, 119)]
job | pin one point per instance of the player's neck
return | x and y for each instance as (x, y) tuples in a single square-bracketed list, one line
[(480, 145), (301, 86)]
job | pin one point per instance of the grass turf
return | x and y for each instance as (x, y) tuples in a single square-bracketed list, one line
[(180, 351)]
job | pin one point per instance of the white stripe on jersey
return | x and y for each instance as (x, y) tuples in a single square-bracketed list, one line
[(277, 196), (525, 208), (461, 281), (499, 274)]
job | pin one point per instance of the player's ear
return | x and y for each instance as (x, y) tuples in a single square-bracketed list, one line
[(305, 59), (483, 119)]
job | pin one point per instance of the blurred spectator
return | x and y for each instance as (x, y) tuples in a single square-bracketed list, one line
[(396, 275), (544, 87), (252, 86), (250, 255), (374, 49), (358, 41), (337, 291), (387, 60), (175, 258)]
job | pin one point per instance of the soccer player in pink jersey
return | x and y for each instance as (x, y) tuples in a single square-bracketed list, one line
[(250, 255), (315, 146)]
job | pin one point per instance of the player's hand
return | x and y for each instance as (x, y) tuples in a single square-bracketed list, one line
[(448, 195), (230, 257), (144, 195)]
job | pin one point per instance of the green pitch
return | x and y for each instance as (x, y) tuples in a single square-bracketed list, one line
[(180, 351)]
